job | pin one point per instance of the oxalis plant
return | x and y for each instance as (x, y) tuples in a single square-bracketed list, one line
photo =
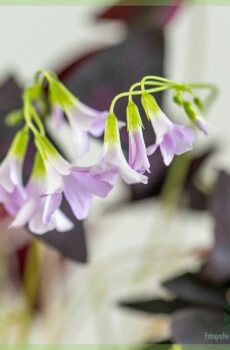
[(37, 203)]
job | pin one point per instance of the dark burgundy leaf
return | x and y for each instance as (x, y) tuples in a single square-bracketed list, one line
[(220, 200), (10, 99), (71, 244), (157, 306), (193, 326), (190, 288), (217, 269)]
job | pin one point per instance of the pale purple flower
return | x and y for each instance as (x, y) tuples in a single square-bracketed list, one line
[(11, 174), (112, 163), (202, 124), (138, 159), (173, 139), (12, 201), (81, 186), (42, 213), (84, 121)]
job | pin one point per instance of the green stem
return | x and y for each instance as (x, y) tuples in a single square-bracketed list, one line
[(37, 120), (26, 110), (136, 93), (211, 97)]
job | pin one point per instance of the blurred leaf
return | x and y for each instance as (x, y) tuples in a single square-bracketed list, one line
[(71, 244), (189, 326), (217, 269), (14, 117), (190, 288), (157, 306)]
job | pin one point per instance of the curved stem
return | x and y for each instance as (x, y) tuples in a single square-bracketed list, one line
[(27, 116), (37, 120), (136, 93), (212, 96)]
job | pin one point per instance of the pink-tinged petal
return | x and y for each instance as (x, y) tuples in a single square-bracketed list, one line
[(184, 133), (167, 149), (52, 203), (92, 184), (183, 139), (202, 124), (151, 149), (98, 127), (60, 164), (138, 159), (12, 202), (62, 222), (35, 223), (5, 170), (57, 116), (25, 214), (85, 116), (78, 198), (113, 159), (161, 124), (53, 181), (81, 142)]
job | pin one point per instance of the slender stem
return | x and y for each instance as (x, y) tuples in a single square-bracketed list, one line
[(27, 116), (37, 120), (212, 96), (136, 93)]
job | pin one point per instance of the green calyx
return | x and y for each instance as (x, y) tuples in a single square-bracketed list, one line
[(45, 147), (39, 170), (149, 104), (59, 94), (19, 145), (112, 134), (133, 117), (190, 110)]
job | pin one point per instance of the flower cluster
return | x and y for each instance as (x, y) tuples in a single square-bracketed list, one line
[(37, 203)]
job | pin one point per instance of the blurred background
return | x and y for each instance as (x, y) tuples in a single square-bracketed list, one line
[(134, 272)]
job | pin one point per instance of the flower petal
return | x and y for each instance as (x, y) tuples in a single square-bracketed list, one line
[(167, 149), (79, 199), (52, 203), (138, 159), (62, 222)]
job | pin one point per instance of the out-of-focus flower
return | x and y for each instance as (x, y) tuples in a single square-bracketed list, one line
[(112, 161), (138, 159), (173, 139), (12, 191), (52, 177), (41, 212), (83, 119)]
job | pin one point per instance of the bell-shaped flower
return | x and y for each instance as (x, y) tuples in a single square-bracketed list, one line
[(112, 161), (173, 139), (83, 120), (12, 191), (138, 159), (80, 187), (41, 212)]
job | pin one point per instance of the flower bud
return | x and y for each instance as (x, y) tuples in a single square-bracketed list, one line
[(190, 110), (177, 100), (198, 102)]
